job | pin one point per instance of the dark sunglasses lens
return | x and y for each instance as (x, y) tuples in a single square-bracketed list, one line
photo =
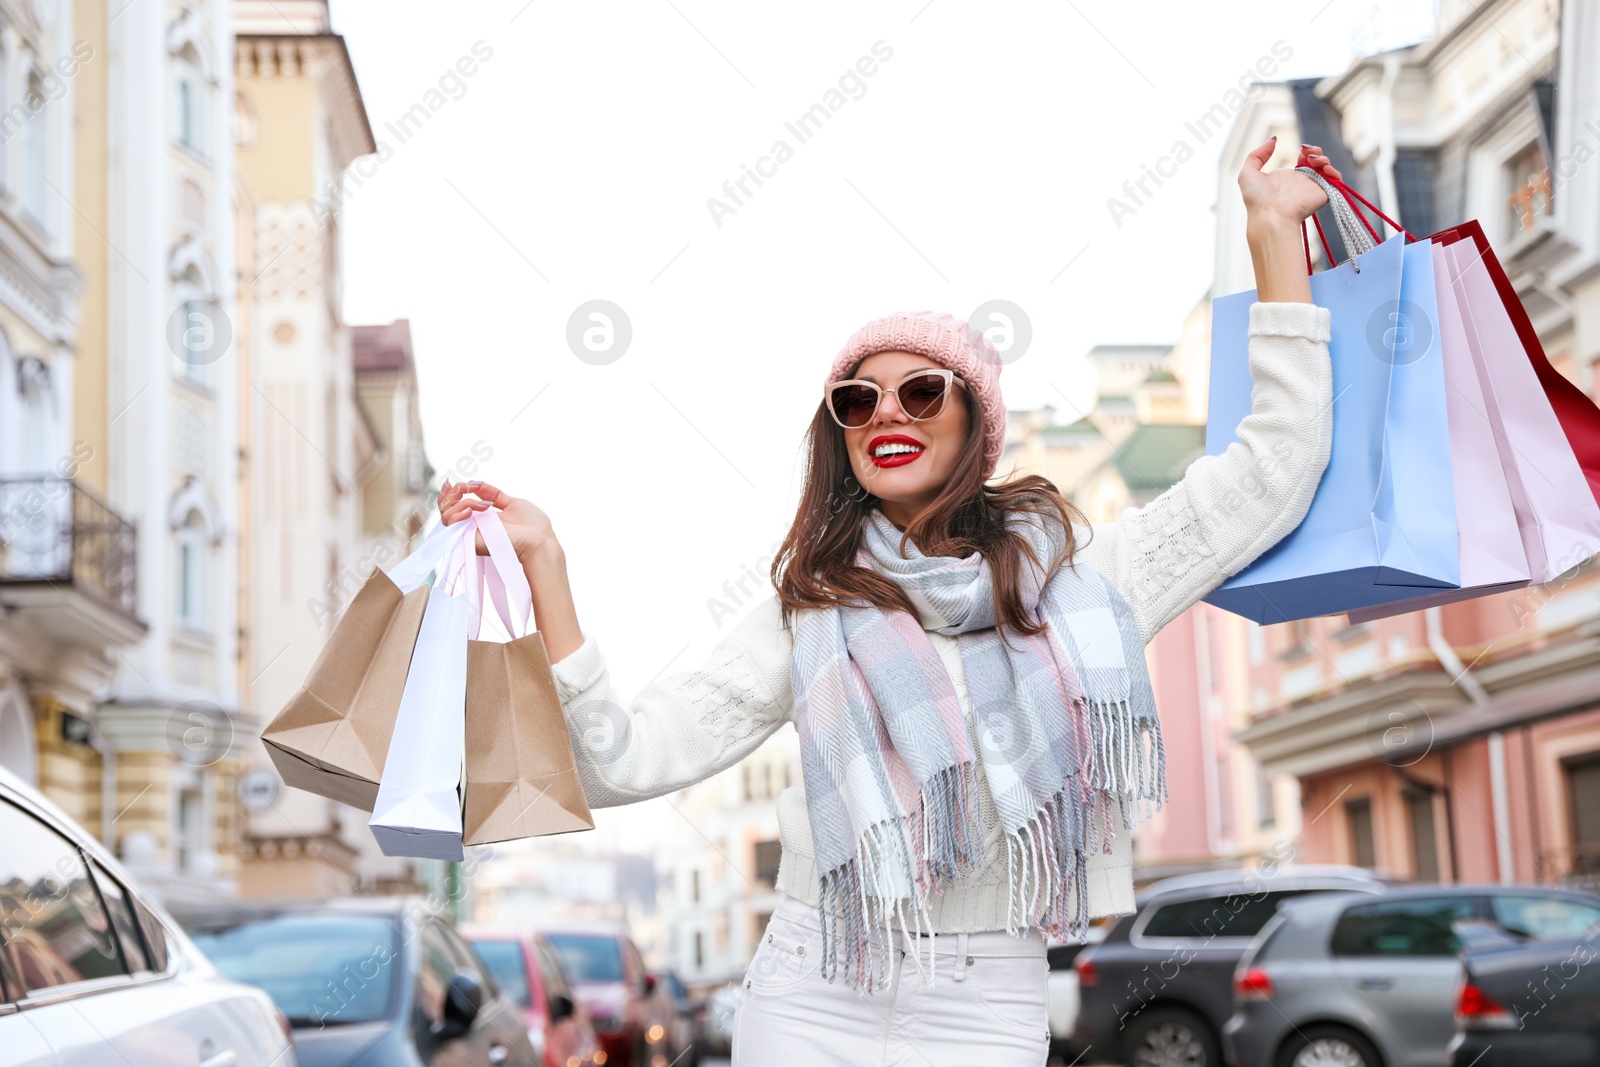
[(922, 396), (854, 404)]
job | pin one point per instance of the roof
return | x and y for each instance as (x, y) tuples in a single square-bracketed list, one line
[(1079, 428), (1161, 376), (381, 348), (1155, 454)]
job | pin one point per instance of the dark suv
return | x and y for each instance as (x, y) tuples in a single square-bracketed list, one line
[(1161, 983)]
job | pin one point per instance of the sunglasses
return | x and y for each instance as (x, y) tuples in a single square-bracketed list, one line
[(854, 402)]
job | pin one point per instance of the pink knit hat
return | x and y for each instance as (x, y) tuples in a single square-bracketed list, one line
[(948, 341)]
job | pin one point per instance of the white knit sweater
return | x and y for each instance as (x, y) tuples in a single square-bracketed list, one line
[(1164, 557)]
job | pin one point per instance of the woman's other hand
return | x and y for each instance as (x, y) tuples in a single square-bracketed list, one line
[(526, 524)]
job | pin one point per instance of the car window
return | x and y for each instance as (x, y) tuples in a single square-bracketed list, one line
[(551, 970), (122, 920), (155, 936), (320, 970), (1235, 915), (1543, 918), (506, 962), (1417, 927), (55, 930), (436, 965), (589, 957)]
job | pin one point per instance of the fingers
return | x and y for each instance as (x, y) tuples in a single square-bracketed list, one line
[(488, 492), (1257, 159), (458, 511)]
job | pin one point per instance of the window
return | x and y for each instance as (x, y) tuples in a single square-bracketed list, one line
[(35, 151), (189, 837), (55, 929), (122, 920), (192, 559), (1234, 915), (551, 971), (434, 969), (506, 962), (589, 957), (1529, 194), (699, 949), (1583, 798), (319, 970), (1544, 918), (188, 100), (1424, 843), (1266, 809), (768, 854), (694, 887), (1419, 927), (155, 937), (1358, 814)]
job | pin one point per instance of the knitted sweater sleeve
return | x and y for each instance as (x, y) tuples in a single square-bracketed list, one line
[(682, 728), (1230, 508)]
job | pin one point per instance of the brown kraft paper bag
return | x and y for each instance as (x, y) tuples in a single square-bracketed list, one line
[(521, 779), (332, 736)]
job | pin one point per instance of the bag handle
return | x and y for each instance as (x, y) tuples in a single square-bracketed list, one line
[(1357, 233), (507, 581), (436, 548)]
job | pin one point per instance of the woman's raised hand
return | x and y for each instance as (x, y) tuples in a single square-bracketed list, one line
[(526, 524), (1283, 196)]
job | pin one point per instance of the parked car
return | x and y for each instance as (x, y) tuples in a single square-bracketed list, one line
[(1160, 984), (714, 1021), (368, 981), (531, 976), (1531, 1001), (92, 971), (682, 1044), (1366, 981), (611, 982), (1063, 989)]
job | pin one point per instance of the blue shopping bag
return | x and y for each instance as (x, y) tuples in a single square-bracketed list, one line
[(1382, 526)]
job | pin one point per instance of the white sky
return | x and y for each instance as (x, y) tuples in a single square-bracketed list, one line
[(576, 165)]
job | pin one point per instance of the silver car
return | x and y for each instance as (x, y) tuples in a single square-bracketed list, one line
[(94, 973), (1353, 980)]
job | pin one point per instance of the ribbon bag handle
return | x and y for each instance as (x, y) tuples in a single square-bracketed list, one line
[(436, 548), (503, 573), (1357, 233)]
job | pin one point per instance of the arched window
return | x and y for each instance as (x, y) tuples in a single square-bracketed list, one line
[(194, 556), (197, 336)]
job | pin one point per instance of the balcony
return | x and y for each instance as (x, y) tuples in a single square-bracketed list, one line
[(67, 563)]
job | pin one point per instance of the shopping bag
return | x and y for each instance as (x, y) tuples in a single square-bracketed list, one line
[(521, 776), (1493, 559), (332, 736), (1382, 525), (1563, 525), (1577, 414), (418, 808)]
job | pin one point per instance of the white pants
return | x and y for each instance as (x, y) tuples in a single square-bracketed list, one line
[(985, 1008)]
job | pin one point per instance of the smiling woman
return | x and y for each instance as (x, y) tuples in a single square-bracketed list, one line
[(964, 665)]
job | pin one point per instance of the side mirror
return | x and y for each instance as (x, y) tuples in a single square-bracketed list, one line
[(561, 1007), (649, 984), (462, 1002)]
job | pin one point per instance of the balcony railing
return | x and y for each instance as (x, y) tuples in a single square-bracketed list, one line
[(53, 530), (1576, 866)]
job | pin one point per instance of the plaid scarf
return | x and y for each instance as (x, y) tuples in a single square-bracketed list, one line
[(1065, 725)]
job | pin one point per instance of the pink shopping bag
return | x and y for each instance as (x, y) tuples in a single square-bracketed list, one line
[(1489, 522), (1559, 518)]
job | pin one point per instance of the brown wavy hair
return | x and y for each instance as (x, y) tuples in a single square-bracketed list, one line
[(815, 567)]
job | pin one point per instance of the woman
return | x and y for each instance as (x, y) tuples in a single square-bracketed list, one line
[(965, 669)]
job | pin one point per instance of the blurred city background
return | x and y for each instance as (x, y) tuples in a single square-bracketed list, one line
[(224, 313)]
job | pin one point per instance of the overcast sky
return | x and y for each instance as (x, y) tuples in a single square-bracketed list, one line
[(576, 161)]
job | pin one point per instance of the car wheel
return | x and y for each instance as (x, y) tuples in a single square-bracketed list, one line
[(1328, 1046), (1171, 1037)]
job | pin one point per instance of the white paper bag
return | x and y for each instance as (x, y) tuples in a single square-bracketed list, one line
[(418, 812)]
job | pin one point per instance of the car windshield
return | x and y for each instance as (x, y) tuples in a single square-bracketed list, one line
[(319, 970), (589, 957), (505, 961)]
